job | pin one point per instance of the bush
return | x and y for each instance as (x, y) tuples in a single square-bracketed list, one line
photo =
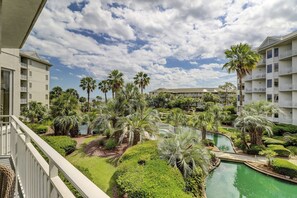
[(110, 144), (63, 144), (280, 129), (208, 142), (255, 149), (280, 150), (290, 141), (268, 141), (38, 128), (142, 174), (293, 149), (284, 167)]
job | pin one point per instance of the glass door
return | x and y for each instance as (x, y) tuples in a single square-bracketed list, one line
[(6, 92)]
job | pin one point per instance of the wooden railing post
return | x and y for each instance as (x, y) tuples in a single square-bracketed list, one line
[(53, 172)]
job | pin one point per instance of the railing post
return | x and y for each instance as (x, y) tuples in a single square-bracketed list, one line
[(53, 172)]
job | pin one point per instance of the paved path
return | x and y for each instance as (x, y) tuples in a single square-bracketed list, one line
[(240, 157)]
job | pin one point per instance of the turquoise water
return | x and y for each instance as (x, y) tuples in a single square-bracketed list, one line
[(221, 141), (234, 180)]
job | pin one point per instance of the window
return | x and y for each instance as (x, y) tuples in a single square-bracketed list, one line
[(30, 73), (269, 97), (275, 67), (46, 87), (269, 83), (276, 115), (46, 67), (46, 96), (275, 82), (46, 77), (30, 96), (30, 85), (269, 54), (269, 68), (275, 98), (275, 52)]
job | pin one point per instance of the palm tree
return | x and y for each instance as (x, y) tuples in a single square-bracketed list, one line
[(104, 86), (55, 92), (116, 81), (176, 117), (202, 121), (34, 112), (142, 80), (253, 120), (218, 115), (242, 60), (89, 84), (226, 89), (73, 92)]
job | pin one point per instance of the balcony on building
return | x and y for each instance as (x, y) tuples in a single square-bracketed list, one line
[(23, 101), (24, 89), (24, 65), (248, 78), (259, 75), (24, 77), (259, 90), (285, 71), (262, 62)]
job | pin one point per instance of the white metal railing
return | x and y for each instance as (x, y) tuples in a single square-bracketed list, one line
[(23, 89), (263, 89), (285, 54), (285, 120), (286, 88), (37, 177), (248, 90), (248, 77), (23, 101), (262, 62), (285, 104), (259, 75), (23, 77), (285, 71), (24, 64)]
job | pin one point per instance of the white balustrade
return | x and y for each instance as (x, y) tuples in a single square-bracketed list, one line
[(37, 177)]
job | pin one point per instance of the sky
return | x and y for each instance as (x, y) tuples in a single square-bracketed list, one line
[(178, 43)]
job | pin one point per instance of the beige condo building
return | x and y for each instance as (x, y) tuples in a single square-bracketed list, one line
[(275, 77)]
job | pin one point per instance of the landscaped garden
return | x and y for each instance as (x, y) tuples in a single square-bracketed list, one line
[(139, 145)]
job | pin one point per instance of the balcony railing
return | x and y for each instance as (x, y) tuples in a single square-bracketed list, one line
[(24, 65), (24, 77), (286, 88), (23, 89), (285, 120), (23, 101), (259, 75), (263, 89), (36, 177), (262, 62), (285, 104), (285, 71), (248, 90), (248, 77)]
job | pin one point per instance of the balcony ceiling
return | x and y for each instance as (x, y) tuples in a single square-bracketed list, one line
[(17, 18)]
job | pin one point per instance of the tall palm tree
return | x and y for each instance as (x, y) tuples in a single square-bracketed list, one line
[(55, 92), (242, 60), (73, 92), (116, 81), (104, 86), (202, 121), (142, 80), (89, 84), (225, 90), (218, 115)]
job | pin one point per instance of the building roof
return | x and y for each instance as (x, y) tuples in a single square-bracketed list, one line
[(271, 41), (188, 90), (34, 56)]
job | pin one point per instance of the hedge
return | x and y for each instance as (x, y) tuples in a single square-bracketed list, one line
[(38, 128), (293, 149), (291, 141), (142, 174), (280, 129), (284, 167), (63, 144), (255, 149), (268, 141), (280, 150)]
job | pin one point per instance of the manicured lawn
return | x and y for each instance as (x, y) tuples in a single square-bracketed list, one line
[(99, 168)]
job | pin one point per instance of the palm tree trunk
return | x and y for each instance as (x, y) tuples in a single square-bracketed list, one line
[(88, 100), (226, 97), (105, 97), (203, 134), (240, 95), (141, 90)]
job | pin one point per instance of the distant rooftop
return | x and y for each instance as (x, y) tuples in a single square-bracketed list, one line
[(34, 56), (187, 90)]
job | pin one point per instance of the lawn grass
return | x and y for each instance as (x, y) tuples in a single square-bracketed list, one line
[(100, 169)]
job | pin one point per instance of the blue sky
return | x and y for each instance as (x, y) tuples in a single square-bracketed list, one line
[(179, 43)]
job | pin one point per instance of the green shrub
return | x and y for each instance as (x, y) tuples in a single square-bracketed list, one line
[(110, 144), (293, 149), (280, 150), (268, 141), (284, 167), (280, 129), (38, 128), (290, 141), (255, 149), (63, 144), (101, 142), (208, 142), (142, 174)]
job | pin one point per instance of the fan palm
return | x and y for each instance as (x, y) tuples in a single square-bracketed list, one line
[(104, 86), (202, 121), (116, 81), (89, 84), (142, 80), (242, 60)]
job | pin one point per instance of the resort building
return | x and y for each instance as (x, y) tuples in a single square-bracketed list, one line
[(275, 77), (20, 147), (196, 92)]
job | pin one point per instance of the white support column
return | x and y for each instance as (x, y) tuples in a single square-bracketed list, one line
[(0, 25)]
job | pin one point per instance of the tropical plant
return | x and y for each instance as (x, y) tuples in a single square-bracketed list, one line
[(66, 125), (242, 60), (116, 81), (210, 97), (269, 154), (82, 99), (139, 127), (176, 117), (254, 122), (55, 92), (142, 80), (89, 84), (88, 118), (226, 90), (34, 112), (218, 116), (73, 92), (202, 121), (104, 86)]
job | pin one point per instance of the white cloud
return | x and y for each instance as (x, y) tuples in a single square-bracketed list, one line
[(183, 29), (54, 78)]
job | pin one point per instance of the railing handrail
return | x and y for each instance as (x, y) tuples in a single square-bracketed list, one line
[(74, 176)]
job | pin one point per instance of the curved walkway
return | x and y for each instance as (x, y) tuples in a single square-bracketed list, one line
[(240, 157)]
